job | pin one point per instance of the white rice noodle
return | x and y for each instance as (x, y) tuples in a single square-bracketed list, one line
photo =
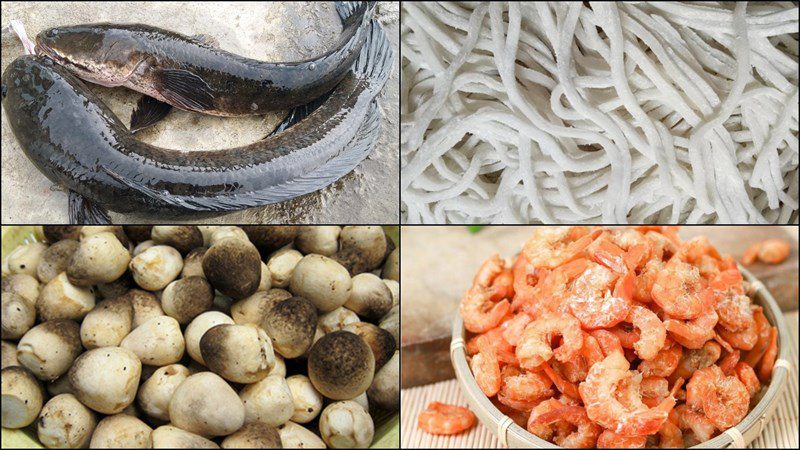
[(634, 112)]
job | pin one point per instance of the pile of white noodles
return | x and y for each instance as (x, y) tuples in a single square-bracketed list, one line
[(615, 112)]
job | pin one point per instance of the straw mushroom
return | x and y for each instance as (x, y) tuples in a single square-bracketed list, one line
[(206, 405), (56, 259), (116, 230), (186, 298), (18, 315), (306, 399), (291, 324), (322, 240), (391, 323), (391, 268), (145, 306), (99, 258), (239, 353), (269, 238), (394, 288), (253, 309), (55, 233), (156, 267), (60, 299), (337, 319), (321, 280), (268, 401), (25, 258), (106, 379), (379, 340), (369, 297), (346, 425), (361, 248), (385, 389), (341, 365), (254, 435), (121, 431), (22, 397), (155, 393), (138, 233), (142, 246), (9, 355), (220, 233), (233, 267), (157, 342), (182, 238), (297, 436), (24, 285), (108, 323), (193, 263), (116, 288), (65, 423), (198, 327), (50, 348), (281, 266)]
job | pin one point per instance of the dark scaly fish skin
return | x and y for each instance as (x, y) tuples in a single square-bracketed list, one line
[(78, 143), (191, 74)]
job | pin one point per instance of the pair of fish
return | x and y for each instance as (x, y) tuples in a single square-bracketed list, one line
[(107, 167)]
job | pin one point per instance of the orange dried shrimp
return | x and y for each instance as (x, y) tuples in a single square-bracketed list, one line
[(441, 418), (625, 337)]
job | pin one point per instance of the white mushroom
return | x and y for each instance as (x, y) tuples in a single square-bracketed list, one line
[(306, 399), (121, 431), (106, 379), (22, 397), (346, 425), (321, 280), (206, 405), (156, 267), (65, 423)]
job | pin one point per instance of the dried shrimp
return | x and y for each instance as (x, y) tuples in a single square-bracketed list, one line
[(440, 418), (771, 251), (624, 338)]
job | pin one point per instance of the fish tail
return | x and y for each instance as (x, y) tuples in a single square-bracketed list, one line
[(354, 13), (375, 61)]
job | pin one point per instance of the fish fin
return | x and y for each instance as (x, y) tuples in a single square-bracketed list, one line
[(184, 89), (148, 112), (299, 113), (374, 63), (352, 13), (206, 39), (358, 148), (85, 212)]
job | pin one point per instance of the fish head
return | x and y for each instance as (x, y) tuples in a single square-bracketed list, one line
[(25, 78), (103, 54)]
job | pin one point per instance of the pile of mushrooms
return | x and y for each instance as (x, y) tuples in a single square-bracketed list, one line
[(201, 336)]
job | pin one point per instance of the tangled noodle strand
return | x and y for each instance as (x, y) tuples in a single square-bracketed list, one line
[(615, 112)]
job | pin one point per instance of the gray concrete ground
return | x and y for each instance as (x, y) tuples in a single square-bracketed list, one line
[(262, 30)]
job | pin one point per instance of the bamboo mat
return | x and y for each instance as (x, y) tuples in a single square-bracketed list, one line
[(780, 432)]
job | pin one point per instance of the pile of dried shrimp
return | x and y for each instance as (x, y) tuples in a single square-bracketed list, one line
[(624, 337)]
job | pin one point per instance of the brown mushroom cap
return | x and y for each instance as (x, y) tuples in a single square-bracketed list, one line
[(183, 238), (269, 238), (341, 365), (291, 324), (233, 267), (55, 233)]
